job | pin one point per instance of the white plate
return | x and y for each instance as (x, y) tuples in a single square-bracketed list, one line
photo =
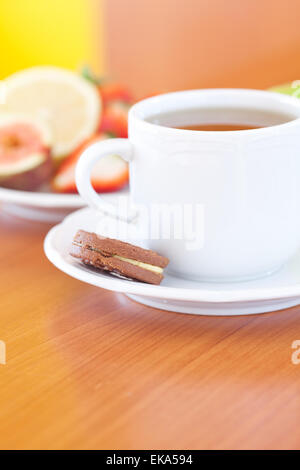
[(45, 206), (276, 292)]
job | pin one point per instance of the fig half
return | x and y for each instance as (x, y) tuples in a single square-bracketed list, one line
[(25, 155)]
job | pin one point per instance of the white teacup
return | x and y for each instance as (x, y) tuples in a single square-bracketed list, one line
[(242, 186)]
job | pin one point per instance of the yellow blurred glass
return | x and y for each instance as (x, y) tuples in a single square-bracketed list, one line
[(65, 33)]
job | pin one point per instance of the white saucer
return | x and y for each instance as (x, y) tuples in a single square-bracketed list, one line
[(278, 291), (45, 206)]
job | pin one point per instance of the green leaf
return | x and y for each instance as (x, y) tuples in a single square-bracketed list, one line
[(292, 89), (87, 73)]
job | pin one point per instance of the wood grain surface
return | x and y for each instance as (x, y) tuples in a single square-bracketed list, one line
[(87, 368)]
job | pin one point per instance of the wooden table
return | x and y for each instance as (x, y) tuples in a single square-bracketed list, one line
[(87, 368)]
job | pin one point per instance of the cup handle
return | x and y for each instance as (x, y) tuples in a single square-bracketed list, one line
[(85, 166)]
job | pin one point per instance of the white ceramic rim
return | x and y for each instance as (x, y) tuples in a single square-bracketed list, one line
[(39, 199), (162, 292), (166, 102), (49, 200), (214, 97)]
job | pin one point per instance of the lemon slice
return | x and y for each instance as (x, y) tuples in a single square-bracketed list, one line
[(69, 104)]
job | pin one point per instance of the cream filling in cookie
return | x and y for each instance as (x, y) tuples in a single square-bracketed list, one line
[(149, 267)]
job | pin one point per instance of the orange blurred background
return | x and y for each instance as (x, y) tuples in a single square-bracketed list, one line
[(157, 45), (162, 45)]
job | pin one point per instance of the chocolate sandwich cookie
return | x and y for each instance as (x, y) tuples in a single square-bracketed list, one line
[(118, 257)]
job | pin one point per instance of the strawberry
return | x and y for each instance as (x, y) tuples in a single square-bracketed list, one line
[(115, 119), (115, 92), (110, 174), (109, 91)]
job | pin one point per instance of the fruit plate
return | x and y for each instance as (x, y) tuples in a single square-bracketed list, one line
[(278, 291), (45, 206)]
